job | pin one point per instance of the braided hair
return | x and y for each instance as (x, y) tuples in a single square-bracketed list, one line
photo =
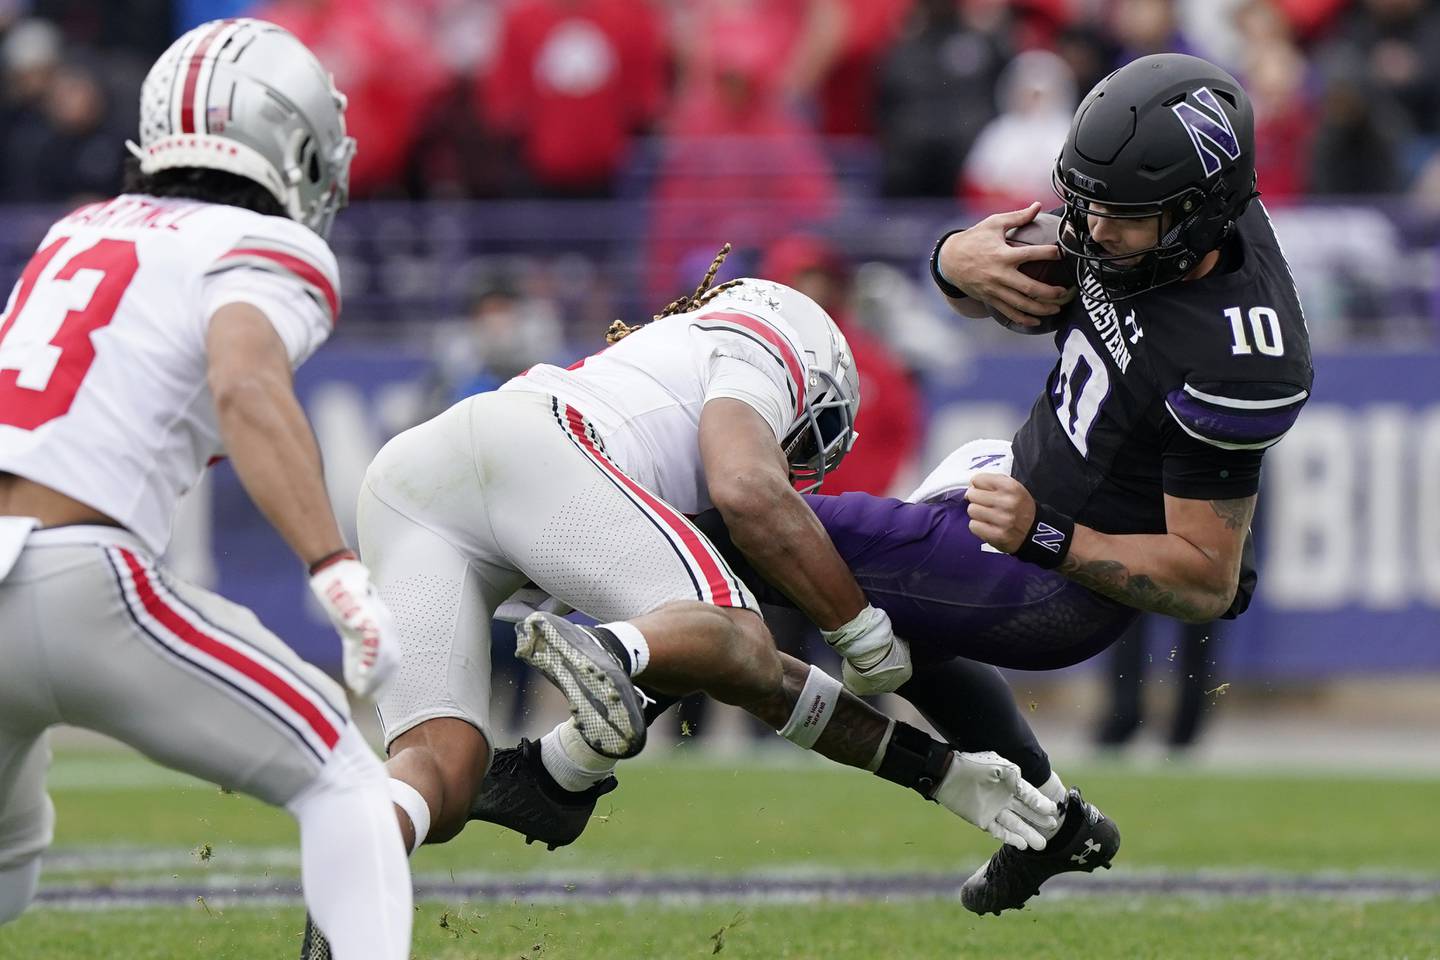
[(703, 294)]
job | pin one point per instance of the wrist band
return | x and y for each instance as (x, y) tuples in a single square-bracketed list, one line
[(330, 559), (1047, 542), (946, 287)]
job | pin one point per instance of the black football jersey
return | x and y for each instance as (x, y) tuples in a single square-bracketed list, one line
[(1176, 391)]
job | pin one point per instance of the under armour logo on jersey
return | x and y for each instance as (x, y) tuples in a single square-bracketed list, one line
[(1048, 537), (1090, 847), (1135, 332), (1209, 130)]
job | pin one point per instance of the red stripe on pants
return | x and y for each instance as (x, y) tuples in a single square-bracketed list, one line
[(715, 578), (187, 632)]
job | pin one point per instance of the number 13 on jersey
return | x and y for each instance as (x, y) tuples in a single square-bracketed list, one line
[(46, 345)]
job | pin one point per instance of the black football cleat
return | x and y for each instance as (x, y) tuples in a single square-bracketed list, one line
[(314, 946), (520, 794), (607, 708), (1087, 839)]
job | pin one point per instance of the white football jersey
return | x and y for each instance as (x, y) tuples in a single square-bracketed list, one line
[(103, 391), (644, 394)]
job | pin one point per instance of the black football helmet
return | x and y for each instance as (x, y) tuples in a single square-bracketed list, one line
[(1167, 135)]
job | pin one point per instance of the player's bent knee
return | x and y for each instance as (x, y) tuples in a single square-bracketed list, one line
[(755, 671), (445, 758)]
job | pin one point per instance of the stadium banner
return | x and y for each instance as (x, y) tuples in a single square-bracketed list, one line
[(1348, 527)]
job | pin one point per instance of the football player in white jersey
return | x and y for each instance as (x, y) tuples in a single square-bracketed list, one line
[(578, 481), (148, 335)]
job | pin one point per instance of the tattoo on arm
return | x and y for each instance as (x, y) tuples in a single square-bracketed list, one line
[(1235, 513), (1113, 579)]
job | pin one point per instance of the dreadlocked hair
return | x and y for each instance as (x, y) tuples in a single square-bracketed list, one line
[(703, 294)]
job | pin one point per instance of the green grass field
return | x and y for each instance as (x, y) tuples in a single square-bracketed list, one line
[(125, 823)]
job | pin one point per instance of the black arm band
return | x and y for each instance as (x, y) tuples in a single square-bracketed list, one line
[(330, 559), (946, 287), (1047, 543), (914, 759)]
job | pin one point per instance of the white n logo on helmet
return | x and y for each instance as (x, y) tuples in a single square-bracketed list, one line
[(1209, 129)]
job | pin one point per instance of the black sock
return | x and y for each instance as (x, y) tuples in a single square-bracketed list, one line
[(914, 759), (614, 647)]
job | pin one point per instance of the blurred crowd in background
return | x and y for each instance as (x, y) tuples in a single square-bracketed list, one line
[(593, 98), (703, 121)]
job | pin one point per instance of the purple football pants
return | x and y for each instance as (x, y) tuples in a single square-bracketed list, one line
[(920, 563)]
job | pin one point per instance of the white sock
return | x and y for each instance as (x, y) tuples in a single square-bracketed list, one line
[(571, 761), (634, 641), (352, 861), (1054, 790), (407, 798), (17, 888)]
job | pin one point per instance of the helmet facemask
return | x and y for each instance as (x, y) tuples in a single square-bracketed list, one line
[(1196, 223), (822, 437)]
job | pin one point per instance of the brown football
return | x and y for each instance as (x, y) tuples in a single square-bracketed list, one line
[(1045, 228)]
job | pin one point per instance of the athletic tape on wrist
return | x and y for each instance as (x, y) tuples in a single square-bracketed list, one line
[(407, 798), (1047, 542), (813, 710), (946, 287), (846, 639)]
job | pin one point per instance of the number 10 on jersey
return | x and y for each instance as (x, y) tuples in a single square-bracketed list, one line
[(1081, 385)]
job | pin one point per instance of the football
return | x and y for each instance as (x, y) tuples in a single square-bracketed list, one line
[(1045, 228)]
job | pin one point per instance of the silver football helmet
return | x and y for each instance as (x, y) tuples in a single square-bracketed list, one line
[(246, 97), (824, 432)]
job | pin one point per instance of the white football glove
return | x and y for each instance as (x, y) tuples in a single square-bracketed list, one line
[(368, 637), (876, 661), (987, 790)]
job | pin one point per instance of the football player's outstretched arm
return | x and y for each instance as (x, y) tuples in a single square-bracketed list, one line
[(749, 483), (1190, 572), (275, 455), (266, 434)]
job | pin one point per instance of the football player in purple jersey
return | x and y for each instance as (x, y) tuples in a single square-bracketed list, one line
[(1132, 484)]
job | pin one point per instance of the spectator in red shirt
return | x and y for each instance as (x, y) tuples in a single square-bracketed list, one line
[(890, 407), (1274, 73), (382, 60), (571, 82), (736, 165), (849, 86)]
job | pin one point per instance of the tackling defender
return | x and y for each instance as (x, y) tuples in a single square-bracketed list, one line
[(149, 334), (579, 480), (1132, 484)]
